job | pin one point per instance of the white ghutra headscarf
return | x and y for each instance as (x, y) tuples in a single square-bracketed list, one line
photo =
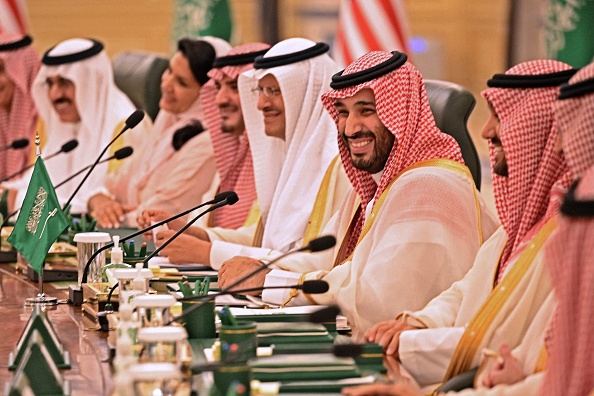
[(288, 172)]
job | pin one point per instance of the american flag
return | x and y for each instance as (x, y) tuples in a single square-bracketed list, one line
[(370, 25), (13, 16)]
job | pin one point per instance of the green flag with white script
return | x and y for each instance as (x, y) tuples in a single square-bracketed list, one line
[(194, 18), (569, 31), (40, 221)]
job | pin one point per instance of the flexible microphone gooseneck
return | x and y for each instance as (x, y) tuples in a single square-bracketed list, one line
[(16, 145), (218, 198), (122, 153), (118, 155), (66, 147), (315, 286), (231, 199), (315, 245), (130, 123)]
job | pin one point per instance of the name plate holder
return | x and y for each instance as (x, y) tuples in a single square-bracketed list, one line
[(37, 372), (39, 324)]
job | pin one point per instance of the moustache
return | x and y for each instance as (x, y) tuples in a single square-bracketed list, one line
[(359, 135), (62, 100), (227, 106)]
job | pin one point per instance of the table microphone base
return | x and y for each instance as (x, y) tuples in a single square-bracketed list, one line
[(75, 295)]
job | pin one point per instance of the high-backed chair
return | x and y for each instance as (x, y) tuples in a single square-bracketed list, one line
[(138, 75), (451, 105)]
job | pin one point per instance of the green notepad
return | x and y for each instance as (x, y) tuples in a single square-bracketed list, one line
[(303, 367)]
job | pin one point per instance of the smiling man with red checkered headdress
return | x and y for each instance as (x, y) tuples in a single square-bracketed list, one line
[(411, 224), (571, 249), (529, 178)]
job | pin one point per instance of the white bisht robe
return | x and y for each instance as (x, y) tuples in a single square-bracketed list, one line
[(530, 354), (426, 353), (412, 251), (102, 107)]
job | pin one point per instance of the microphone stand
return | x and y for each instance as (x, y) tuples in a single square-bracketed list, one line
[(227, 201), (130, 122), (310, 287), (75, 291), (315, 245), (58, 186), (66, 147)]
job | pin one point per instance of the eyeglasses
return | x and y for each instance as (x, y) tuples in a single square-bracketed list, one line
[(269, 92)]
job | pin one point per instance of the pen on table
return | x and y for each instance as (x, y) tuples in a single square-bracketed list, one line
[(184, 287), (142, 250)]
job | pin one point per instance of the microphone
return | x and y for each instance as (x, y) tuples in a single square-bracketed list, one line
[(347, 350), (130, 123), (315, 245), (66, 147), (218, 198), (230, 199), (122, 153), (316, 286), (324, 315), (16, 144)]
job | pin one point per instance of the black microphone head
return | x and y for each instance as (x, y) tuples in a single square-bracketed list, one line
[(223, 196), (232, 198), (317, 286), (69, 145), (124, 152), (134, 119), (324, 315), (20, 143), (321, 243), (347, 350)]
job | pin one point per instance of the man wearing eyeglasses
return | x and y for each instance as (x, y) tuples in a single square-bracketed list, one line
[(299, 180)]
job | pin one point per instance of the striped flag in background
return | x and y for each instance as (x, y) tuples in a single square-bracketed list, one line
[(13, 16), (370, 25)]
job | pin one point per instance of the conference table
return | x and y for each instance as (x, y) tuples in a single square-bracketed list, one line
[(90, 373)]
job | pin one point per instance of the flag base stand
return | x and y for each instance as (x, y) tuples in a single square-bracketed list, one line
[(41, 300)]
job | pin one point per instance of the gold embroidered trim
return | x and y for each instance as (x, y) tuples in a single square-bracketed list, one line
[(314, 226), (483, 319), (294, 292), (437, 162), (543, 360), (258, 234)]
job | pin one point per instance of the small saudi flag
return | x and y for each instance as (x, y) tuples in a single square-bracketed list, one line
[(194, 18), (569, 31), (40, 221)]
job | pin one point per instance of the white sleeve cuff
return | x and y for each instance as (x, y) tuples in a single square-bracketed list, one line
[(222, 251), (426, 353), (279, 278)]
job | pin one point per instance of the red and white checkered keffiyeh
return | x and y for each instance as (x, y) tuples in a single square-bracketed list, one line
[(21, 65), (575, 117), (569, 253), (531, 192), (232, 152), (402, 106), (569, 259)]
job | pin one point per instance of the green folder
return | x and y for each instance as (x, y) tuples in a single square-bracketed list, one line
[(303, 367), (273, 333)]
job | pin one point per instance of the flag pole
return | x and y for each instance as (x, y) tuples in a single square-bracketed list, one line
[(41, 299)]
